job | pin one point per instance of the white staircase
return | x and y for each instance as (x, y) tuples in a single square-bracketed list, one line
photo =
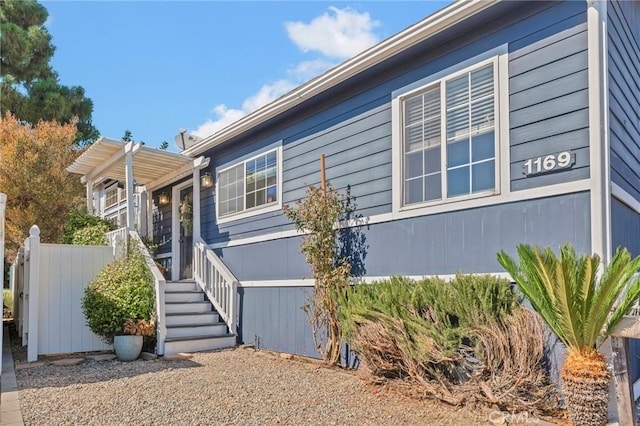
[(192, 323)]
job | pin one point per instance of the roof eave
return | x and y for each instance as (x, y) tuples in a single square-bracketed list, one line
[(433, 24)]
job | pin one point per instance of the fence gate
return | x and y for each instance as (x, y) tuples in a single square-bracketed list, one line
[(51, 279)]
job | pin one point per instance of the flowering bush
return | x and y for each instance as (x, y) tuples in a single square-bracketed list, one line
[(138, 328)]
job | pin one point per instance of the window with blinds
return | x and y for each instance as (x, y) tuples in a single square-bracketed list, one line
[(249, 185), (449, 141), (111, 196)]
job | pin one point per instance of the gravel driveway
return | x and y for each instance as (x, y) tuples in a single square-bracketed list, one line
[(239, 386)]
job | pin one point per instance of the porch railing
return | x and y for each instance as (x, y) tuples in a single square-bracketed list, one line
[(114, 238), (217, 281)]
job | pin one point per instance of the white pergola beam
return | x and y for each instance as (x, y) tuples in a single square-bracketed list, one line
[(111, 161), (199, 163)]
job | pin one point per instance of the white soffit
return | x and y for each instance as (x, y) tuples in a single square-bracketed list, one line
[(149, 164)]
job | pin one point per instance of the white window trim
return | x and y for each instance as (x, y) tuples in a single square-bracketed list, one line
[(106, 197), (502, 156), (266, 208)]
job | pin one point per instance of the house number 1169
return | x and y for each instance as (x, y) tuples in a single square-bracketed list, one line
[(549, 163)]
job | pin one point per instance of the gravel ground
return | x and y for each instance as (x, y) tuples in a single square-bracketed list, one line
[(238, 386)]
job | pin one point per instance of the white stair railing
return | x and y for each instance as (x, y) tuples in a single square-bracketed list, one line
[(114, 237), (217, 281), (117, 238)]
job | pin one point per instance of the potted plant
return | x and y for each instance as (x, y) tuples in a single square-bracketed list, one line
[(120, 300), (129, 344)]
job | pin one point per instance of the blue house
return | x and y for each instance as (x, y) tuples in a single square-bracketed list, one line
[(485, 125)]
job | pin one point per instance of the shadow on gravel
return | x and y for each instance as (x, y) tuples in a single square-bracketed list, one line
[(42, 374)]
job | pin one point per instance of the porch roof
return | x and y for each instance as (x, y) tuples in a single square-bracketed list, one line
[(105, 159)]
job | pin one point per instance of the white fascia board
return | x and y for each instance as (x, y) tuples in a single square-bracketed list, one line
[(618, 192), (309, 282), (439, 21)]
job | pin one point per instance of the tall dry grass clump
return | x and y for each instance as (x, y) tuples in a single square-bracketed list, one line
[(465, 341)]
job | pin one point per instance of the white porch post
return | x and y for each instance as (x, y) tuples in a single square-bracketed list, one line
[(89, 186), (128, 149), (196, 202)]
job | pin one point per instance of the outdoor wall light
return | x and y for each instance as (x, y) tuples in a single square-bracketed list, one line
[(163, 199), (206, 180)]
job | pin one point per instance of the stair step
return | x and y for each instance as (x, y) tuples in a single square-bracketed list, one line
[(181, 286), (191, 318), (197, 330), (184, 296), (198, 344), (187, 307)]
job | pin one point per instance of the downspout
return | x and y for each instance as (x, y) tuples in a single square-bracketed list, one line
[(598, 130)]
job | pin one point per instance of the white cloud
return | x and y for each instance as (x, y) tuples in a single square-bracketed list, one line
[(226, 115), (266, 94), (339, 33), (307, 70)]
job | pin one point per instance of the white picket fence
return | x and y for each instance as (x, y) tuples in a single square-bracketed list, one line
[(49, 280)]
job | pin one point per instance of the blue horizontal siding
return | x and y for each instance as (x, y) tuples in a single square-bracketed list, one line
[(465, 241), (625, 232), (623, 49), (548, 101), (351, 124), (272, 318)]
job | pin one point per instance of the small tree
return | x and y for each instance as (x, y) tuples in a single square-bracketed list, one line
[(319, 214), (33, 174), (582, 309)]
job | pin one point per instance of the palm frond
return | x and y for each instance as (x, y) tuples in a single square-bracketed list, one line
[(535, 282), (567, 294), (611, 285)]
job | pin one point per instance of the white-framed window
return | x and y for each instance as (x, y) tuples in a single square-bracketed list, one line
[(111, 196), (447, 138), (251, 186)]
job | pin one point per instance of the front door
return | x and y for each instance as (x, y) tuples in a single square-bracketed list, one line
[(186, 232)]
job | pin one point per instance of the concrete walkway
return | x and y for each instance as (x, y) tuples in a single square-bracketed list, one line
[(10, 413)]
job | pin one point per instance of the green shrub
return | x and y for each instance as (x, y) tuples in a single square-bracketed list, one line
[(92, 235), (123, 290), (7, 301), (449, 336), (79, 219), (445, 312)]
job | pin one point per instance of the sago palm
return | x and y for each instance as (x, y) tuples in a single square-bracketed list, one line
[(582, 307)]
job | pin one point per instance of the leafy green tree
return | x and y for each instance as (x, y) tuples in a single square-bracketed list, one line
[(30, 88), (164, 145), (128, 136), (582, 308)]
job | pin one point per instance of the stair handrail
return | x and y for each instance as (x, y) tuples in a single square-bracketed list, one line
[(113, 238), (217, 282)]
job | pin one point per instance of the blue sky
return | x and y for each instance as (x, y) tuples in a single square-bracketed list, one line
[(156, 67)]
